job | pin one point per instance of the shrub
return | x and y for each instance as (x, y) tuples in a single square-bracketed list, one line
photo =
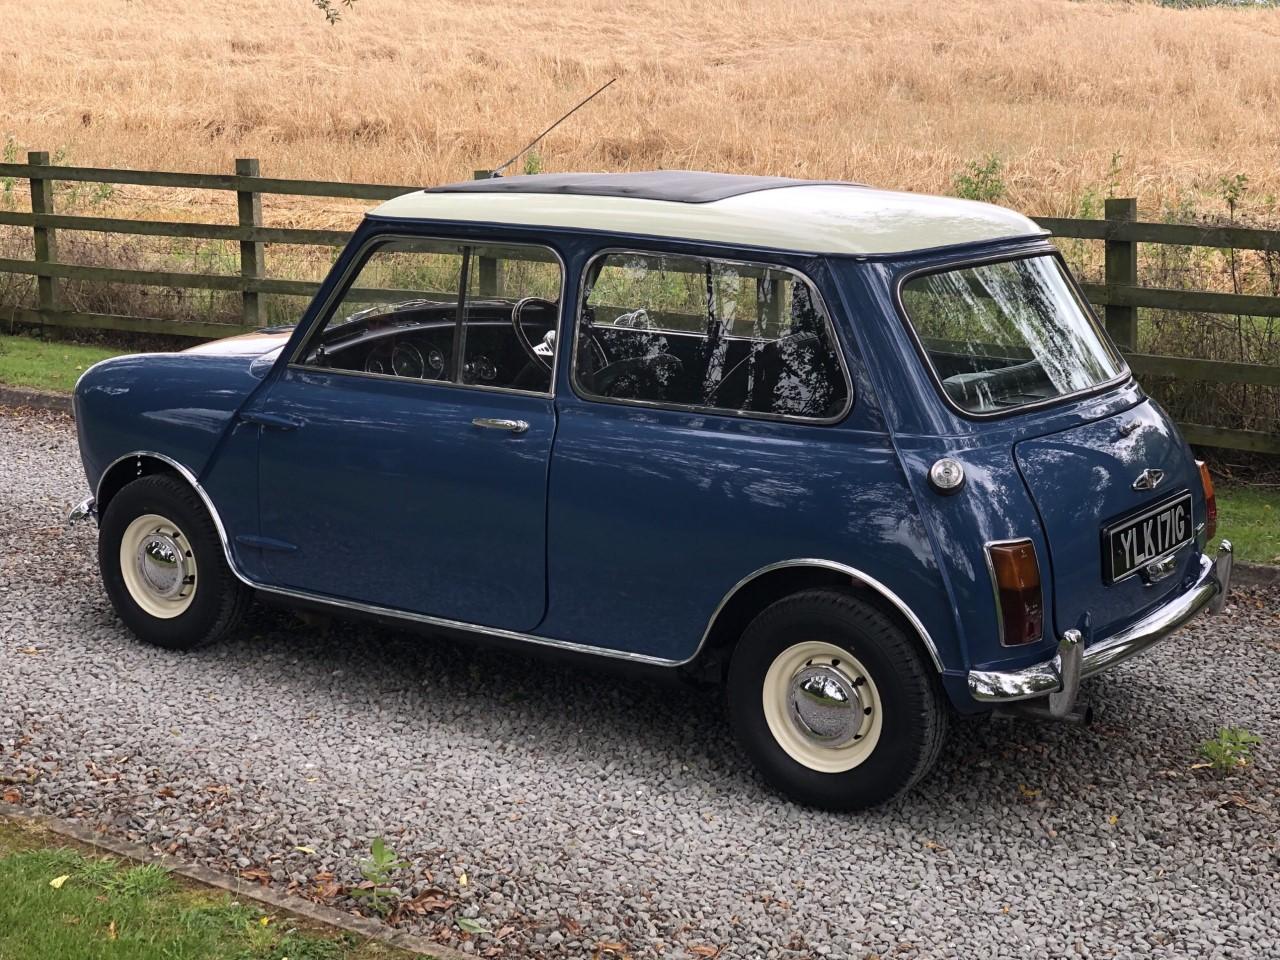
[(981, 181)]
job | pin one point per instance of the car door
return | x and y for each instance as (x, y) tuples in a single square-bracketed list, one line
[(403, 453), (706, 436)]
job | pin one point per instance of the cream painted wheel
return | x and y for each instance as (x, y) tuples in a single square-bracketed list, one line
[(822, 706), (158, 566)]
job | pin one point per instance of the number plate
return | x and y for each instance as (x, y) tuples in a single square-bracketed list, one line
[(1131, 544)]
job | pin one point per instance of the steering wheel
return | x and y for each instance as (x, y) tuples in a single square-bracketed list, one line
[(521, 337), (612, 374)]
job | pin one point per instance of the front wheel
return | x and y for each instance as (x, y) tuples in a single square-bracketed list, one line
[(835, 705), (163, 565)]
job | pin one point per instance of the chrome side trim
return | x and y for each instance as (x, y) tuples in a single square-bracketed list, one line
[(1209, 590), (854, 573), (459, 625), (421, 618)]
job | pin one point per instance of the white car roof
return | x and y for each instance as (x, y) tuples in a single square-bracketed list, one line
[(774, 212)]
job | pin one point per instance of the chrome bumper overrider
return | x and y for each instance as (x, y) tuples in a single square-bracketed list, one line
[(83, 511), (1058, 678)]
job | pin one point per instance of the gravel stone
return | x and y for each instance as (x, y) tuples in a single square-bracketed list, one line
[(585, 806)]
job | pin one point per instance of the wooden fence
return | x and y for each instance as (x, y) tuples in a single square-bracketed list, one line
[(1120, 295)]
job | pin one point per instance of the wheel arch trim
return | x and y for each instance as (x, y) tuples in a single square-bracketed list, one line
[(191, 480), (858, 576)]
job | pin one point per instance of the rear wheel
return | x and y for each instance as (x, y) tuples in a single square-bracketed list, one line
[(163, 565), (837, 707)]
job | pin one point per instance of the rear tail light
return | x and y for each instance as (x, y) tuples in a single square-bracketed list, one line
[(1015, 574), (1210, 502)]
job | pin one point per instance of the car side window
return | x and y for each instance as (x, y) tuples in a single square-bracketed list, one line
[(475, 315), (705, 333)]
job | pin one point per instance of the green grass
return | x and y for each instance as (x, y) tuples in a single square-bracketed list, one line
[(47, 364), (1250, 518), (103, 909)]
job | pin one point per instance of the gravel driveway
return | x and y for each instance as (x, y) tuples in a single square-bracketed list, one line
[(567, 808)]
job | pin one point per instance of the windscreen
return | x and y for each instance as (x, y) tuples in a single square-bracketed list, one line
[(1007, 334)]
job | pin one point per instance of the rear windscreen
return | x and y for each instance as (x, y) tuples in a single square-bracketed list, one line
[(1007, 334)]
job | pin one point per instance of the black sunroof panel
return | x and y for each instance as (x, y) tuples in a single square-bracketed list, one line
[(679, 186)]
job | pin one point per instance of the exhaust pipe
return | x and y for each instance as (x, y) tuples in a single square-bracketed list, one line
[(1039, 709)]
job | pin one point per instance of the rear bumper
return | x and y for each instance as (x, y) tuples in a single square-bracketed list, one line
[(1057, 678)]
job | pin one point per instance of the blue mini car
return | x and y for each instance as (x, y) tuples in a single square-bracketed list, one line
[(865, 458)]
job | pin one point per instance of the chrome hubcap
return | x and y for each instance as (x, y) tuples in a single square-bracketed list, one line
[(822, 706), (158, 566), (161, 566), (825, 705)]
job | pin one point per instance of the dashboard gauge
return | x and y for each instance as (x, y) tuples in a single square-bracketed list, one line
[(406, 361), (435, 364), (482, 368), (379, 359)]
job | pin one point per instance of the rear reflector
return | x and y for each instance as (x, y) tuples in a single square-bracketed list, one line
[(1016, 576), (1210, 502)]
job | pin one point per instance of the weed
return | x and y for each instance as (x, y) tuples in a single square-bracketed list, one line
[(97, 874), (1113, 173), (215, 915), (1230, 749), (330, 9), (1090, 206), (533, 162), (981, 181), (378, 870), (1232, 190), (144, 881)]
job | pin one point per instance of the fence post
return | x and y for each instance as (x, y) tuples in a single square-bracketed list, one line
[(46, 245), (1121, 270), (252, 261), (487, 275)]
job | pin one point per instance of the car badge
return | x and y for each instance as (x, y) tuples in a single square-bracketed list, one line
[(1148, 479)]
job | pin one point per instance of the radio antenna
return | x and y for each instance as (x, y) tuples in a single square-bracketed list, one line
[(534, 142)]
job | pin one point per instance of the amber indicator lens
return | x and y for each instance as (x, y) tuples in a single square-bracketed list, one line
[(1210, 502), (1017, 577)]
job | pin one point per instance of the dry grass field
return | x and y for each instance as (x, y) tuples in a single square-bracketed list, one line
[(1062, 102), (1074, 97)]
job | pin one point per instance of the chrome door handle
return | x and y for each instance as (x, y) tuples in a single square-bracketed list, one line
[(511, 426)]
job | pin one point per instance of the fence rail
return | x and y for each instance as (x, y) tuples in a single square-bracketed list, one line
[(1120, 296)]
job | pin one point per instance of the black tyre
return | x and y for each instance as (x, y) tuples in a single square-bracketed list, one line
[(163, 566), (835, 705)]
